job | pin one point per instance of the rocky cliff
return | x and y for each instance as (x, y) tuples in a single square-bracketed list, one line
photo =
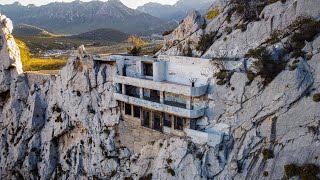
[(66, 126)]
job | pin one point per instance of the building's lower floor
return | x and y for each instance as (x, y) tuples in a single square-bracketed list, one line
[(157, 120)]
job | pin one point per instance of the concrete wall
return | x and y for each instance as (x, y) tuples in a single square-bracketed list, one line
[(133, 136), (212, 139), (182, 69), (196, 113), (159, 71)]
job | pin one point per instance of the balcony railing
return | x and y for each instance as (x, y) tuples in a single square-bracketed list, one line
[(160, 107), (165, 86)]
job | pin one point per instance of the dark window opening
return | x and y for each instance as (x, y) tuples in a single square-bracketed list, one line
[(157, 121), (132, 91), (178, 123), (154, 96), (136, 111), (148, 69), (127, 108), (119, 89), (146, 118), (193, 124), (167, 120)]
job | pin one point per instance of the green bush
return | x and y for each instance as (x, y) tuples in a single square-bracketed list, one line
[(134, 51), (228, 30), (169, 161), (205, 41), (147, 177), (291, 170), (204, 25), (222, 77), (171, 171), (265, 174), (200, 156), (306, 172), (267, 68), (267, 154), (316, 97), (213, 14)]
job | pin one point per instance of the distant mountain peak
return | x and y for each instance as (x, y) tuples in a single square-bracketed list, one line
[(175, 12), (77, 17)]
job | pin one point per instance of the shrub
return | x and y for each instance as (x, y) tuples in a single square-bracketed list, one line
[(135, 51), (228, 30), (200, 156), (205, 41), (169, 161), (167, 32), (309, 172), (267, 68), (291, 170), (171, 171), (316, 97), (213, 14), (274, 37), (267, 154), (204, 25), (222, 77), (306, 172), (265, 174), (147, 177)]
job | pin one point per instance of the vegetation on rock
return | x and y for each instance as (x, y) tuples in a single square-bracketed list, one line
[(213, 14), (267, 154), (205, 41), (137, 43), (267, 68), (316, 97), (305, 172)]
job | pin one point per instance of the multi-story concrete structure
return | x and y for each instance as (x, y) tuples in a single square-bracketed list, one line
[(165, 94)]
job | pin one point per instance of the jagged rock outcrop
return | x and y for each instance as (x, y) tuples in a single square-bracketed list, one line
[(66, 127)]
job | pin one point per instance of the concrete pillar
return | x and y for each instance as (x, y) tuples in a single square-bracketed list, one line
[(123, 89), (161, 97), (172, 122), (132, 110), (151, 119), (189, 103), (141, 92)]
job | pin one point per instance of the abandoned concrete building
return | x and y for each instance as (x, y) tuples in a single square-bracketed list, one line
[(166, 95)]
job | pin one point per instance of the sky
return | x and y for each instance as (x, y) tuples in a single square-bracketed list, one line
[(129, 3)]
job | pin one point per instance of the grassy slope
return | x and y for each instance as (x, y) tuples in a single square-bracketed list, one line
[(37, 64)]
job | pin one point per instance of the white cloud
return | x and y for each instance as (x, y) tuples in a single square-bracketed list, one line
[(129, 3)]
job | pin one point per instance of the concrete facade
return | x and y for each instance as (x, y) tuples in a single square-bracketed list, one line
[(160, 107), (163, 96)]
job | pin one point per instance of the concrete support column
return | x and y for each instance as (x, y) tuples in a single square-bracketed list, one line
[(172, 122), (141, 92), (123, 89), (151, 120), (161, 97), (189, 103), (132, 110)]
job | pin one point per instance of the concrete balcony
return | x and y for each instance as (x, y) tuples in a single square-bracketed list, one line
[(160, 107), (164, 86)]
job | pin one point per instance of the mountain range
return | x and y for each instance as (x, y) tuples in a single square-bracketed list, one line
[(79, 17), (176, 12)]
